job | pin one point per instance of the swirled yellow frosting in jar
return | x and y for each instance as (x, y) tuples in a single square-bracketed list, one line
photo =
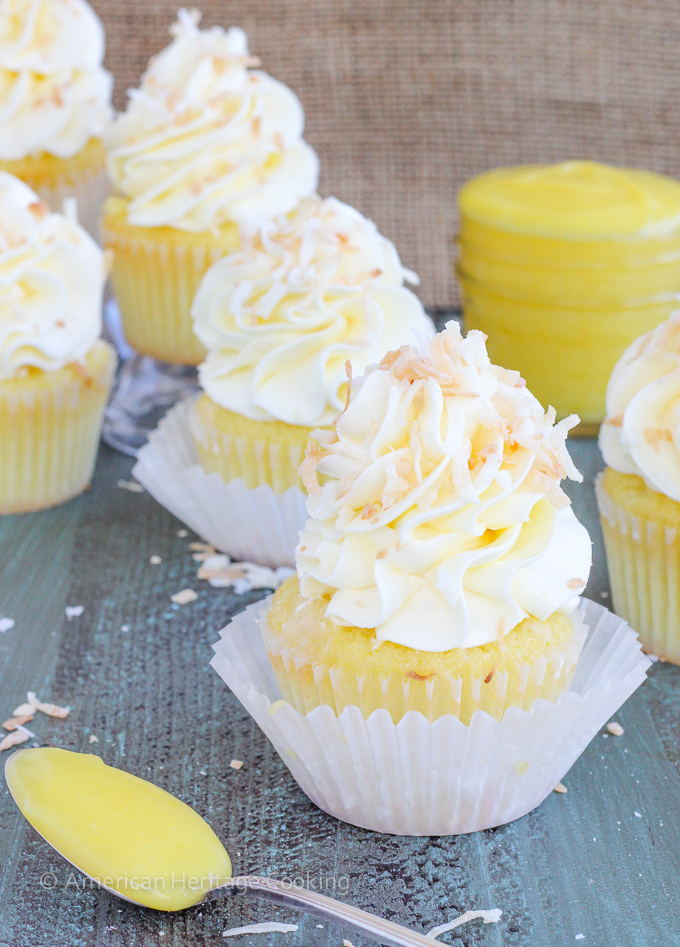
[(564, 266)]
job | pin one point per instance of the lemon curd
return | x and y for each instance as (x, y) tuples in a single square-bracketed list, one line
[(126, 833), (563, 266)]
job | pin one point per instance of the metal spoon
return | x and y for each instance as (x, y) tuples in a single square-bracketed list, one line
[(283, 893)]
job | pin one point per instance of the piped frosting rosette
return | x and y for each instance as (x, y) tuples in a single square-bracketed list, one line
[(207, 139), (306, 293), (51, 284), (439, 520), (54, 91), (641, 433)]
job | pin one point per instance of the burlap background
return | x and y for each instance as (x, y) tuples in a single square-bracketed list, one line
[(406, 99)]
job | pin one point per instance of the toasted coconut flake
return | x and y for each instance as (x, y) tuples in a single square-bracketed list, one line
[(15, 722), (615, 422), (655, 435), (576, 584), (131, 486), (489, 676), (414, 676), (13, 739), (184, 597), (368, 511), (307, 470), (381, 554), (615, 729), (24, 710), (201, 547), (52, 710), (348, 372), (561, 788)]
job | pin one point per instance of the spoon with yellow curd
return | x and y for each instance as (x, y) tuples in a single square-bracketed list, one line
[(144, 845)]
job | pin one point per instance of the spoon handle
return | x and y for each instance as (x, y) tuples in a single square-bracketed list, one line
[(327, 909)]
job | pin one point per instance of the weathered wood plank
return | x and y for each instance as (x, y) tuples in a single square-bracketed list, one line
[(157, 709)]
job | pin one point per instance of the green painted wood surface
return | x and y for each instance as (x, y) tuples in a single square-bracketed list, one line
[(583, 863)]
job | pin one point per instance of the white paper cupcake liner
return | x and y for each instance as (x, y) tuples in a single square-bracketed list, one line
[(440, 778), (259, 525), (643, 557)]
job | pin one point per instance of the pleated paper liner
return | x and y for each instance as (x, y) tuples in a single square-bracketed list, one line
[(156, 274), (439, 778), (643, 557), (306, 684), (258, 525)]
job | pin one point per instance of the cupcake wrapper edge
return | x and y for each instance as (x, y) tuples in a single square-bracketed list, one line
[(440, 778), (258, 525)]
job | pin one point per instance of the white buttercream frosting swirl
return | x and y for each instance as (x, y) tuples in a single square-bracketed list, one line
[(641, 432), (54, 93), (440, 521), (51, 284), (206, 140), (281, 317)]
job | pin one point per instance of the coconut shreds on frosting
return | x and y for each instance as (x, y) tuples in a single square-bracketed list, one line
[(55, 93), (641, 432), (208, 140), (282, 316), (51, 284), (439, 520)]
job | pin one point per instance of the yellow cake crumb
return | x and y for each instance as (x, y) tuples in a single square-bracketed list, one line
[(637, 499), (317, 661), (257, 452)]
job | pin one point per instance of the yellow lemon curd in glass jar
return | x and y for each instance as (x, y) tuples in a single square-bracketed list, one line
[(563, 266)]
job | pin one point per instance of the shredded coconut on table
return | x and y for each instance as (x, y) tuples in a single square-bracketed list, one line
[(6, 624), (13, 739), (266, 928), (184, 597), (221, 572), (74, 611), (489, 917), (130, 485), (615, 729)]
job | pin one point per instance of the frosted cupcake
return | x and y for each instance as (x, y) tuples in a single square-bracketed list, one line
[(639, 491), (55, 101), (441, 564), (206, 143), (55, 372), (281, 318)]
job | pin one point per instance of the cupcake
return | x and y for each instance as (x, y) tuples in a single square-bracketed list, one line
[(639, 491), (55, 372), (281, 319), (55, 101), (441, 564), (206, 143)]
